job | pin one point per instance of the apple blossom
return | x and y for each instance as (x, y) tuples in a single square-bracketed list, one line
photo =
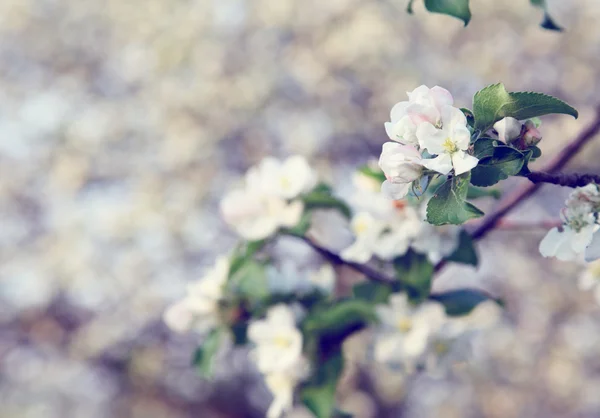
[(285, 179), (366, 229), (402, 166), (255, 216), (532, 135), (282, 385), (448, 143), (199, 309), (579, 228), (423, 105), (278, 343), (406, 329), (436, 242)]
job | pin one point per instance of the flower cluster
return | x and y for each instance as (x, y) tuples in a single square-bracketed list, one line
[(278, 355), (429, 133), (387, 229), (199, 309), (578, 232), (412, 336), (269, 200)]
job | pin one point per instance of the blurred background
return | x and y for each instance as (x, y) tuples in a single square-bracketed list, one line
[(122, 123)]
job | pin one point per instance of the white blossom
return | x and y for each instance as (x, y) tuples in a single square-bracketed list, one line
[(423, 105), (437, 242), (285, 179), (278, 342), (402, 166), (323, 279), (255, 216), (199, 309), (578, 232), (282, 385), (366, 229), (406, 330), (448, 143)]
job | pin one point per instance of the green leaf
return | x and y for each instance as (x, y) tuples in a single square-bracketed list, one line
[(323, 199), (469, 115), (505, 162), (318, 394), (493, 103), (339, 318), (465, 253), (204, 355), (530, 154), (449, 206), (460, 301), (484, 147), (455, 8), (526, 105), (243, 252), (414, 271), (372, 291), (548, 22), (476, 192), (487, 105), (250, 281)]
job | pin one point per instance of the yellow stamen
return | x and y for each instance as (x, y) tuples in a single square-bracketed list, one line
[(449, 146), (404, 324)]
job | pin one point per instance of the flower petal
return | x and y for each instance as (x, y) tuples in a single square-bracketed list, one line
[(442, 163), (431, 138), (395, 191), (463, 162)]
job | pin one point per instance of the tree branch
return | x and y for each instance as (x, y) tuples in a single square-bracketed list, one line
[(563, 179)]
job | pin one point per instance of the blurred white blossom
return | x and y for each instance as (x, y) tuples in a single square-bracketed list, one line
[(402, 166)]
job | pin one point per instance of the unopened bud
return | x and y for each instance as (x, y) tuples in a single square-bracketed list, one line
[(509, 129), (532, 135)]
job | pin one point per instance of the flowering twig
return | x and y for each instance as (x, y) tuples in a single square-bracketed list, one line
[(527, 190), (563, 179)]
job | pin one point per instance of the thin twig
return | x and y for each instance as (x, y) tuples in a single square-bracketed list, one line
[(334, 258)]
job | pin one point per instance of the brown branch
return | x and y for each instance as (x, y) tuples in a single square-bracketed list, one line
[(563, 179), (334, 258)]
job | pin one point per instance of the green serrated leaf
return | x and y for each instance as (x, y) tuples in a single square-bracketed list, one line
[(476, 192), (415, 272), (460, 301), (505, 162), (204, 355), (372, 291), (465, 253), (456, 8), (319, 393), (487, 105), (494, 103), (449, 206), (525, 105)]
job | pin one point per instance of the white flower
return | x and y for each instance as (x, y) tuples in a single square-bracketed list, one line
[(449, 143), (367, 196), (278, 341), (423, 105), (255, 216), (287, 179), (199, 309), (282, 385), (406, 329), (566, 244), (403, 226), (590, 279), (508, 129), (366, 229), (578, 233), (401, 165)]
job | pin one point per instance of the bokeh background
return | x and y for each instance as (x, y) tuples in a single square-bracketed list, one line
[(122, 123)]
